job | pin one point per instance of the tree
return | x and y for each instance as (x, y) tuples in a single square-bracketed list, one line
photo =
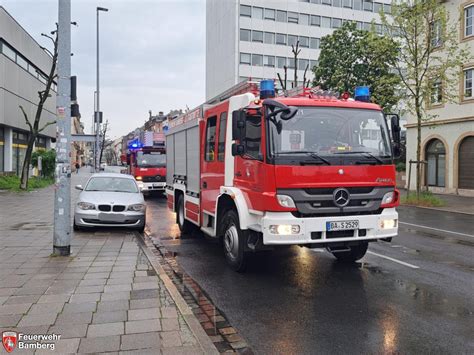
[(295, 49), (351, 57), (34, 126), (105, 142), (428, 52)]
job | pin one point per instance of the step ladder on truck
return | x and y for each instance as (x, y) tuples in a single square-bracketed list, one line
[(306, 168)]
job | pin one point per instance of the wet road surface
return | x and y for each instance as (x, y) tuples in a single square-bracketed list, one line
[(414, 295)]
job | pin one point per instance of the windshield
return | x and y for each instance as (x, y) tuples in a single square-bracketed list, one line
[(111, 184), (332, 132), (151, 159)]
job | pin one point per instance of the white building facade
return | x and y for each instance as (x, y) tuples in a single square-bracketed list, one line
[(253, 38), (447, 141)]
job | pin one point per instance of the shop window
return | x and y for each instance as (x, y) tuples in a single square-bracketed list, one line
[(436, 158)]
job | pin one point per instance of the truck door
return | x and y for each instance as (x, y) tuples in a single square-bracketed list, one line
[(212, 171)]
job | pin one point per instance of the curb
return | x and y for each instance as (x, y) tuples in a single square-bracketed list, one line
[(202, 338), (439, 209)]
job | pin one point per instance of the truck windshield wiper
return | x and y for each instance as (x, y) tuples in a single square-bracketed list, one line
[(309, 153), (367, 154)]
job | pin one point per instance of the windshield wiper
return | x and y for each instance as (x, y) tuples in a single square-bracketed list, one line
[(313, 155), (367, 154)]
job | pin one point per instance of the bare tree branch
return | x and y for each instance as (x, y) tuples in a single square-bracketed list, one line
[(26, 118), (46, 125)]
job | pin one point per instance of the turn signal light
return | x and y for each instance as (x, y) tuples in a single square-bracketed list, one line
[(390, 199), (139, 178)]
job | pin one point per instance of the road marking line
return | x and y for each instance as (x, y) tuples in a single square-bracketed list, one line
[(437, 229), (394, 260)]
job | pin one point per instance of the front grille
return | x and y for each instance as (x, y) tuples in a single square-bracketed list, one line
[(330, 190), (118, 208), (97, 221), (157, 178), (105, 208)]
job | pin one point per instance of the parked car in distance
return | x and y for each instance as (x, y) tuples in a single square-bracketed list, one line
[(110, 199)]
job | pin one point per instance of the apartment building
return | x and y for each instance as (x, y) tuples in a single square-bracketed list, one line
[(253, 38), (448, 139)]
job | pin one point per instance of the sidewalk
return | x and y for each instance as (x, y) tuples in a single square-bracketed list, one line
[(452, 203), (105, 297)]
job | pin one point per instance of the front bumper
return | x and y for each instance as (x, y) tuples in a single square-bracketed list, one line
[(151, 186), (313, 230), (94, 218)]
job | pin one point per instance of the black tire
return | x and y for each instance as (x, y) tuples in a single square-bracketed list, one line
[(75, 227), (141, 227), (357, 252), (234, 240), (184, 225)]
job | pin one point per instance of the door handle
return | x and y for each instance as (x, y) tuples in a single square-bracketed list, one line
[(204, 185), (238, 174)]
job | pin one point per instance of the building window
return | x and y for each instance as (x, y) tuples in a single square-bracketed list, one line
[(281, 62), (269, 38), (337, 3), (378, 7), (436, 33), (257, 12), (387, 8), (304, 42), (10, 53), (293, 17), (269, 61), (291, 63), (221, 142), (2, 142), (468, 83), (245, 11), (436, 94), (436, 158), (244, 35), (269, 14), (304, 19), (315, 1), (326, 22), (257, 36), (347, 3), (245, 58), (281, 16), (469, 21), (315, 20), (357, 4), (302, 63), (326, 2), (210, 148), (257, 60), (314, 43), (21, 62), (336, 23), (313, 63), (368, 5), (281, 38), (292, 40), (366, 26)]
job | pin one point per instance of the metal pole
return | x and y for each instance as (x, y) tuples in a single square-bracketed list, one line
[(62, 200), (97, 113)]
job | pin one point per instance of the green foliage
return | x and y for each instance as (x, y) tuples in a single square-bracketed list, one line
[(12, 183), (48, 161), (351, 57), (426, 199), (400, 166)]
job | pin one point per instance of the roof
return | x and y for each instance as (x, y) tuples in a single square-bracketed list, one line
[(116, 175)]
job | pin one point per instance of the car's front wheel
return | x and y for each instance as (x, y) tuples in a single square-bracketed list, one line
[(75, 227)]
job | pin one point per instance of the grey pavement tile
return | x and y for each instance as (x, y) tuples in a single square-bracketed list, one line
[(26, 291), (105, 329), (80, 307), (119, 305), (148, 351), (142, 294), (118, 288), (182, 350), (85, 297), (15, 308), (10, 320), (22, 299), (170, 339), (142, 326), (144, 313), (121, 274), (101, 344), (145, 303), (96, 275), (38, 319), (44, 308), (63, 346), (99, 269), (141, 273), (60, 290), (169, 312), (127, 268), (71, 276), (140, 341), (3, 299), (124, 281), (54, 298), (69, 330), (168, 324), (140, 279), (8, 291), (146, 285), (109, 317), (74, 318), (92, 282), (44, 276), (115, 296), (89, 289)]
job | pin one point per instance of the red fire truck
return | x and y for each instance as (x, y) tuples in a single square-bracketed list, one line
[(148, 166), (306, 169)]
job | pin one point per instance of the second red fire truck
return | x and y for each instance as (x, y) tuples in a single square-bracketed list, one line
[(305, 169)]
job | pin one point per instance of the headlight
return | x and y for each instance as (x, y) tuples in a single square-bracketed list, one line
[(137, 207), (139, 178), (284, 229), (388, 223), (286, 201), (86, 206)]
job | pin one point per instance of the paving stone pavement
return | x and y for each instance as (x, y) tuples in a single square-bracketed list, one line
[(105, 297)]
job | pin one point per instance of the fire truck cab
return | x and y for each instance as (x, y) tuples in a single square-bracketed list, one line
[(305, 169)]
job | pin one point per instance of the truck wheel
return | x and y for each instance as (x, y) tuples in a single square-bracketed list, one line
[(234, 242), (184, 225), (355, 253)]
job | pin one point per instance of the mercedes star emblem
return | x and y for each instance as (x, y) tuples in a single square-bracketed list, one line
[(341, 197)]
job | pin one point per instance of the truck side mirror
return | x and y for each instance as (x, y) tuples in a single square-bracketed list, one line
[(238, 125), (395, 128), (128, 159), (238, 149)]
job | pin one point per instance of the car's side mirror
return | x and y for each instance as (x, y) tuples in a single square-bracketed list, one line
[(79, 187), (238, 125)]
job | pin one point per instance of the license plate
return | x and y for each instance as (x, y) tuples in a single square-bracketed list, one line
[(342, 225), (111, 217), (157, 185)]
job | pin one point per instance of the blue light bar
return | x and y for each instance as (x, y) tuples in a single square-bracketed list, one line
[(267, 89), (362, 93)]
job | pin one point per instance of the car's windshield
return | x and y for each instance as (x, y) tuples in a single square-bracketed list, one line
[(111, 184), (331, 132), (151, 159)]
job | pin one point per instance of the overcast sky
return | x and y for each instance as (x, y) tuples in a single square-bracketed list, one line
[(152, 54)]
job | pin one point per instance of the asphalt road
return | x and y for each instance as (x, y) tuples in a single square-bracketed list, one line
[(414, 295)]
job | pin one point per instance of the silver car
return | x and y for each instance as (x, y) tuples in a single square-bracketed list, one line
[(110, 200)]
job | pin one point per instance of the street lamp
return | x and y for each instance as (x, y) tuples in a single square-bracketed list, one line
[(97, 114)]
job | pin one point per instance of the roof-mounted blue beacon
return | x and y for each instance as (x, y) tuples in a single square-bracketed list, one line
[(362, 93)]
